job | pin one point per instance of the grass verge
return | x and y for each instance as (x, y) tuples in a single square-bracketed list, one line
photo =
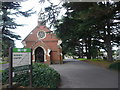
[(99, 62), (81, 59), (3, 62), (1, 70)]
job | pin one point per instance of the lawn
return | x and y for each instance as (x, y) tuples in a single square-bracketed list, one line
[(1, 70), (81, 59), (3, 62), (99, 62), (1, 65)]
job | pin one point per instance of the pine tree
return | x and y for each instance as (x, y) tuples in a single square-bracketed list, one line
[(8, 23), (98, 23)]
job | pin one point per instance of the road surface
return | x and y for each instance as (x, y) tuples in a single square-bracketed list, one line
[(78, 74)]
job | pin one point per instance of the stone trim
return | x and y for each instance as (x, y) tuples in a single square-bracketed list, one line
[(38, 35), (44, 52)]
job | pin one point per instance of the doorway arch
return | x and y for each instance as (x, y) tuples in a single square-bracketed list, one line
[(39, 54)]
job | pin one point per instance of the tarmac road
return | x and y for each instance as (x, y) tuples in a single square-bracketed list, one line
[(78, 74)]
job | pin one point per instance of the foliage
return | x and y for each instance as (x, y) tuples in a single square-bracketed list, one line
[(90, 26), (1, 70), (6, 44), (50, 14), (115, 66), (43, 76), (9, 10)]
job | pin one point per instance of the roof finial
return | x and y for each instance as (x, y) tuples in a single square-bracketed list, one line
[(41, 17)]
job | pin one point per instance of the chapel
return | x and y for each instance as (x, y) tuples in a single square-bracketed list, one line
[(46, 47)]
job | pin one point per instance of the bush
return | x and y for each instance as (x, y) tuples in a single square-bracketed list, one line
[(43, 77), (5, 59), (115, 66)]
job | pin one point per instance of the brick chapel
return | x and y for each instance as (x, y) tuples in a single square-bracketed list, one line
[(44, 44)]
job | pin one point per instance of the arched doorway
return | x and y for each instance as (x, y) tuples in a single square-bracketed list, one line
[(39, 55)]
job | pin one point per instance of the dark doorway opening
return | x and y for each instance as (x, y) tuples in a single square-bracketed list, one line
[(39, 55)]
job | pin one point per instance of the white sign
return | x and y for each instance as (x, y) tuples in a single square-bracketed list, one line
[(21, 56)]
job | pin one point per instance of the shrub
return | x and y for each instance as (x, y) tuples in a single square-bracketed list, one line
[(43, 76), (115, 66), (5, 59)]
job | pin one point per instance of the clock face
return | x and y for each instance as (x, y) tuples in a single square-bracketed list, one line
[(41, 34)]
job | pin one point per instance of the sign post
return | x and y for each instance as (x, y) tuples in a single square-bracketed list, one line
[(20, 57), (31, 71), (10, 68)]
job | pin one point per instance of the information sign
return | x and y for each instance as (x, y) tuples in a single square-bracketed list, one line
[(20, 62), (21, 56)]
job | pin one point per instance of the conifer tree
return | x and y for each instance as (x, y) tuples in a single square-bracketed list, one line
[(7, 10)]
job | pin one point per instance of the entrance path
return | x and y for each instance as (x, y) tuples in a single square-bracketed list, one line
[(78, 74)]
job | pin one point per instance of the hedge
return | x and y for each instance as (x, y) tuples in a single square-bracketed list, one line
[(115, 66), (43, 77)]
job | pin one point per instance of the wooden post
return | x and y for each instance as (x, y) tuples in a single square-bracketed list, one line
[(10, 67), (31, 71)]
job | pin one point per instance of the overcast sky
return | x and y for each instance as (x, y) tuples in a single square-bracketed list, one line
[(30, 22)]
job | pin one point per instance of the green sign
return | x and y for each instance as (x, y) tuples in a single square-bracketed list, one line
[(21, 50), (21, 56), (20, 62)]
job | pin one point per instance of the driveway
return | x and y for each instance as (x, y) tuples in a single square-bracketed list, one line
[(78, 74)]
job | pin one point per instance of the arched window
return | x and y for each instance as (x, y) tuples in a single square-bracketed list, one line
[(39, 55)]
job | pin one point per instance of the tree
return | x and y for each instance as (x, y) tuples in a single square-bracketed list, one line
[(7, 23), (69, 31), (105, 14), (98, 28), (68, 35), (50, 13)]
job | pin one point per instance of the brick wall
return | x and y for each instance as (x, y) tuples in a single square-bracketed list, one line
[(48, 43)]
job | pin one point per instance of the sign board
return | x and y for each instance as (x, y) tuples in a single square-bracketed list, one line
[(21, 56), (20, 62)]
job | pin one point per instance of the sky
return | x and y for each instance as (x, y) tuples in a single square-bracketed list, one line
[(30, 22)]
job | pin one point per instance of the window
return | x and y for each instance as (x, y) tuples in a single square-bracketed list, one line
[(41, 34)]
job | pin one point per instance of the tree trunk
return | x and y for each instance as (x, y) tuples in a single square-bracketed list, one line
[(108, 42), (82, 50), (109, 49), (79, 51), (86, 49), (89, 48)]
